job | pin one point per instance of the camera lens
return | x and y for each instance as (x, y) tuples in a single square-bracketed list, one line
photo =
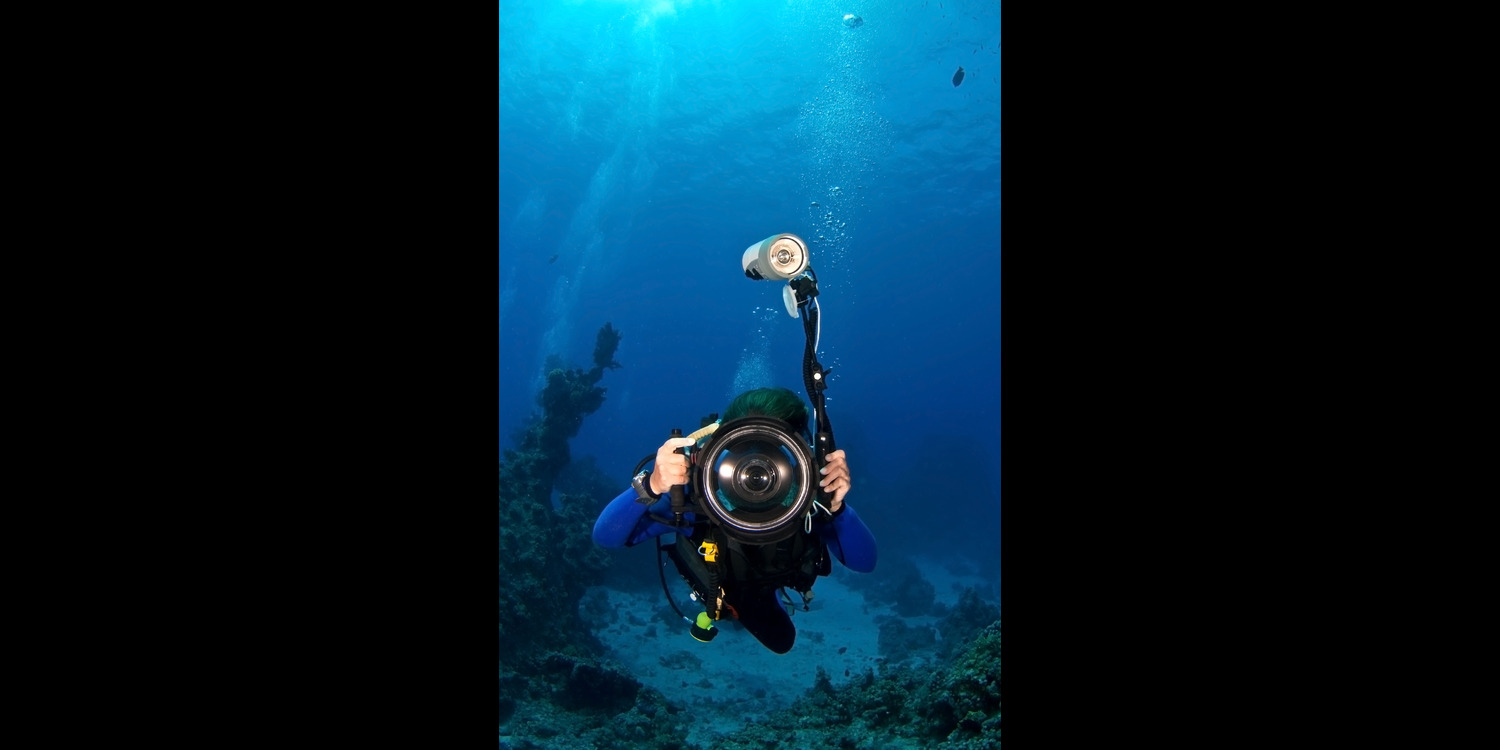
[(756, 478)]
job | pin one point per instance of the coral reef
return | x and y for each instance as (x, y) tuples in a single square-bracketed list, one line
[(899, 641), (555, 689), (967, 618), (580, 702), (605, 345), (568, 397), (547, 559), (902, 585), (914, 594), (957, 707)]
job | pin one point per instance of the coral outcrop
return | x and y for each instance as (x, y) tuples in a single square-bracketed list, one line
[(577, 702), (898, 641), (556, 689), (957, 707), (965, 621), (547, 558), (901, 584)]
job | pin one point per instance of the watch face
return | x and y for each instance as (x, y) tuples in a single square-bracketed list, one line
[(642, 489)]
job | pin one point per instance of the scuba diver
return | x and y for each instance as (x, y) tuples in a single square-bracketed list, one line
[(734, 578), (755, 499)]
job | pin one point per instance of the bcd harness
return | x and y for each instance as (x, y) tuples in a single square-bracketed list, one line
[(709, 561)]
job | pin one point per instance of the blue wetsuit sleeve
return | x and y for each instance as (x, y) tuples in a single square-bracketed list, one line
[(626, 523), (850, 540)]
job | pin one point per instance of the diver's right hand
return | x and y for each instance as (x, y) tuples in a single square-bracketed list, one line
[(671, 467)]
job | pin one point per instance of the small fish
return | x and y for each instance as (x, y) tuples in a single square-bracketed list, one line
[(554, 257), (958, 77)]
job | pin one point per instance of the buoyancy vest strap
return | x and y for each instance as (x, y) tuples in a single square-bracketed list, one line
[(704, 575)]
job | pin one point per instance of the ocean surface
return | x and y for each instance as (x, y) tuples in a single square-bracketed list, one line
[(645, 144)]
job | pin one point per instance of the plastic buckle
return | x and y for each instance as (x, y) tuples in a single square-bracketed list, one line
[(709, 551)]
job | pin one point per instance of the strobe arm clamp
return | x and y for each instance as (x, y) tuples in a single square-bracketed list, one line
[(805, 287)]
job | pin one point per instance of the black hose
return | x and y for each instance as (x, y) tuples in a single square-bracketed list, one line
[(660, 572)]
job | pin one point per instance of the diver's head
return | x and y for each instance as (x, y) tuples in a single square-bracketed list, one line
[(777, 403)]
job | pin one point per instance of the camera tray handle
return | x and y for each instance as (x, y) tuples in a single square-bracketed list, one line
[(678, 502)]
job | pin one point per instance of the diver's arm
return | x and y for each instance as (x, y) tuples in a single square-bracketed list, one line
[(626, 523), (849, 539)]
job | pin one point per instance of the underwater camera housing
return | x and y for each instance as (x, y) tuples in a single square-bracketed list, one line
[(755, 478)]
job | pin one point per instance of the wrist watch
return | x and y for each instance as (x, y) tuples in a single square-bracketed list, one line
[(642, 485)]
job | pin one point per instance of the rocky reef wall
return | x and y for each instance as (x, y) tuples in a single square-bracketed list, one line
[(547, 558)]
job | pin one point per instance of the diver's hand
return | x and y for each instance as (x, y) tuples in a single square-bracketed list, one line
[(836, 478), (671, 467)]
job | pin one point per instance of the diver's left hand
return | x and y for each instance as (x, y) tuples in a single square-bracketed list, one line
[(836, 478)]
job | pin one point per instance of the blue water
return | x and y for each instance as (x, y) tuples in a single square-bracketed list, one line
[(645, 144)]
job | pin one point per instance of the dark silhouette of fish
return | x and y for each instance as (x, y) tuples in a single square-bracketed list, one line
[(958, 77), (553, 258)]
